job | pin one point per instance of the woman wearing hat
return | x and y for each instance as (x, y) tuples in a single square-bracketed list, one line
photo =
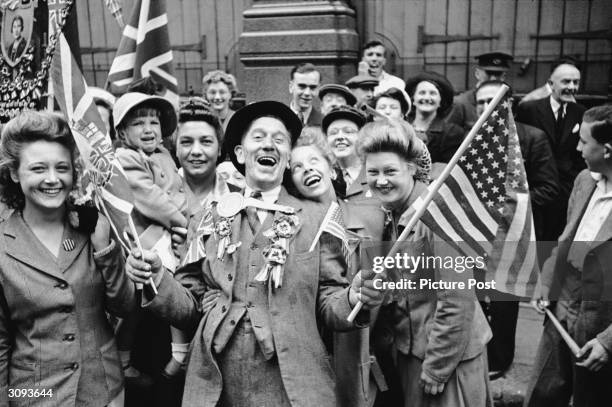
[(57, 278), (432, 96), (393, 103), (438, 337), (218, 89), (341, 126)]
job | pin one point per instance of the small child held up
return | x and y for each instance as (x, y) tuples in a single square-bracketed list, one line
[(142, 122)]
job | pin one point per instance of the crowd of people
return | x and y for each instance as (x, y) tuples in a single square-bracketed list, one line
[(267, 212)]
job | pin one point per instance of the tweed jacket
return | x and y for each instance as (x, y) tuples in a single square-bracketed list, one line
[(54, 333), (585, 298), (159, 195), (313, 288), (538, 113), (440, 327)]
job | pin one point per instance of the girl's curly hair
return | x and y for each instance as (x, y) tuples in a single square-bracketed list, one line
[(28, 127)]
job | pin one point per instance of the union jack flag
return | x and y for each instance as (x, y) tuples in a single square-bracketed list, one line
[(144, 51), (101, 168), (484, 204), (195, 242)]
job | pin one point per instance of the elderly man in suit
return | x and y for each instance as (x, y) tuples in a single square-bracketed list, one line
[(303, 87), (578, 276), (259, 345), (559, 116)]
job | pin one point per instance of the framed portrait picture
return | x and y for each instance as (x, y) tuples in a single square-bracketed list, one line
[(17, 26)]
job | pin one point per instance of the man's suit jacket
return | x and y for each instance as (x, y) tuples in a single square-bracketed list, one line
[(463, 113), (315, 118), (54, 332), (359, 192), (538, 113), (313, 287), (541, 171), (585, 298)]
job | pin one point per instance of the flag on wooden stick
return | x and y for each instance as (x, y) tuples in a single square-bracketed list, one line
[(144, 51), (484, 204)]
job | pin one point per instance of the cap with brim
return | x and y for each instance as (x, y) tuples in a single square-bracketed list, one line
[(343, 112), (444, 86), (242, 119), (131, 100), (340, 90), (494, 61), (362, 81)]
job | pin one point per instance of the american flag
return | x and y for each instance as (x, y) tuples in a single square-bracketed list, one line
[(195, 243), (484, 204), (144, 51), (333, 223), (101, 168)]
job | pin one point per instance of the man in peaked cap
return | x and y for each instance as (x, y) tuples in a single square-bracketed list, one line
[(491, 66), (260, 344), (362, 87), (334, 95)]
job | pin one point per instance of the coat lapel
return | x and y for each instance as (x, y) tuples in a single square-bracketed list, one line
[(547, 118), (72, 244), (359, 185), (24, 246)]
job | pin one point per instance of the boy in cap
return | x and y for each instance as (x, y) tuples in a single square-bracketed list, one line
[(260, 344), (362, 87), (491, 66)]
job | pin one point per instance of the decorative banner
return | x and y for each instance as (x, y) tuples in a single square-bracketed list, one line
[(22, 82)]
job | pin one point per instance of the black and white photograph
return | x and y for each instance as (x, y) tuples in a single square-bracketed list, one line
[(306, 203)]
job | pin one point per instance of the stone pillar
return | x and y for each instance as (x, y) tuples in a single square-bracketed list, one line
[(280, 34)]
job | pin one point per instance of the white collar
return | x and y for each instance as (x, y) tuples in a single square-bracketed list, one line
[(269, 196), (555, 106), (305, 114)]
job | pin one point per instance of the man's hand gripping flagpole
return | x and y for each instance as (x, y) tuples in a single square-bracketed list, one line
[(433, 189)]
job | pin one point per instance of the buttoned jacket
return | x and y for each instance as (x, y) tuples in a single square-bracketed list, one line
[(159, 195), (539, 113), (313, 287), (54, 333)]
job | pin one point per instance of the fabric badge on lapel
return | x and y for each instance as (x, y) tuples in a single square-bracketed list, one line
[(576, 128), (68, 245)]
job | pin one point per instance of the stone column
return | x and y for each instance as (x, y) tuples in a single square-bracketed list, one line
[(280, 34)]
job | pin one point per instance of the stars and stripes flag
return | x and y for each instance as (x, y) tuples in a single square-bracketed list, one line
[(144, 51), (333, 223), (484, 204), (102, 171)]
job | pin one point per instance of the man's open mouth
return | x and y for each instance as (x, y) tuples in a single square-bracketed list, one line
[(267, 161)]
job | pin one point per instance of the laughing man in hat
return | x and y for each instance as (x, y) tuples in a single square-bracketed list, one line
[(259, 344), (491, 66)]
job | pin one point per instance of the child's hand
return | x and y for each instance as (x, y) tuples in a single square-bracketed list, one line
[(100, 238), (209, 300)]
